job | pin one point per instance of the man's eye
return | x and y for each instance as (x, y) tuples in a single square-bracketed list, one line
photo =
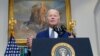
[(50, 15), (55, 15)]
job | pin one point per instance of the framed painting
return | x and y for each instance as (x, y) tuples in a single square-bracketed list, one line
[(27, 17)]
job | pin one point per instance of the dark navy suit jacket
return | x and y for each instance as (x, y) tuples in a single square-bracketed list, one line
[(45, 34)]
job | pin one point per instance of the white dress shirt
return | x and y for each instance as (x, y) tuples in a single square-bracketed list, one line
[(55, 33)]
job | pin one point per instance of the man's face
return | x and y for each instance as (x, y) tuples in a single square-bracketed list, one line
[(53, 17)]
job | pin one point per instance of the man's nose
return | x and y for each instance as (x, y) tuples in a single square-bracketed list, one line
[(52, 18)]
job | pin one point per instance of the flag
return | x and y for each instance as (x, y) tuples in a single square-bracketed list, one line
[(12, 48)]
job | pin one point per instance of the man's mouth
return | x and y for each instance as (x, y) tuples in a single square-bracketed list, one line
[(52, 20)]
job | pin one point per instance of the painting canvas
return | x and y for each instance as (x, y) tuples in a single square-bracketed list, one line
[(31, 15)]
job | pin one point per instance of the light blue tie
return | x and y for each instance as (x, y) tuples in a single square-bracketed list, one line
[(52, 34)]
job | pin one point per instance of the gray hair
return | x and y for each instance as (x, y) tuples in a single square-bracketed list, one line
[(53, 9)]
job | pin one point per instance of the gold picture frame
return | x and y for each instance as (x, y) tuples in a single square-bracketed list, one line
[(12, 20)]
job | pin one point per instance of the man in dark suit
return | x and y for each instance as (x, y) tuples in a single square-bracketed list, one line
[(53, 20), (54, 29)]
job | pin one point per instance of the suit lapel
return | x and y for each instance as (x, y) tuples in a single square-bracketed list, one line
[(47, 33)]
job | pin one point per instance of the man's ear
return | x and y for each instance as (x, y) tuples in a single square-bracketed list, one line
[(59, 21)]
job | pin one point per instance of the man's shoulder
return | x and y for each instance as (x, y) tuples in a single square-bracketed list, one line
[(43, 33), (65, 35)]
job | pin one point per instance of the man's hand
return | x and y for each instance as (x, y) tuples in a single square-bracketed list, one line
[(29, 41)]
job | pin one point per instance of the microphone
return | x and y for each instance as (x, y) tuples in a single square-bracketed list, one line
[(60, 30), (63, 28)]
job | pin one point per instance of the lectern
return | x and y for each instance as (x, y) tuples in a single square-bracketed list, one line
[(61, 47)]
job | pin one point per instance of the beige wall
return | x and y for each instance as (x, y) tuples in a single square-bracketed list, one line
[(83, 13), (3, 25)]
